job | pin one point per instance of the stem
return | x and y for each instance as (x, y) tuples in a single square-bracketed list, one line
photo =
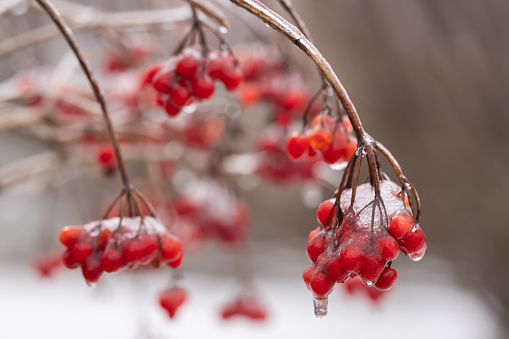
[(52, 11), (278, 23)]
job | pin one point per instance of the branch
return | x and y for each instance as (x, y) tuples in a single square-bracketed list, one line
[(278, 23), (96, 21), (68, 35)]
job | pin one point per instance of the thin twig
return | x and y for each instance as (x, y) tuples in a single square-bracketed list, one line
[(68, 35)]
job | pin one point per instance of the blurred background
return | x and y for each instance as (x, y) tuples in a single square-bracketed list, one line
[(429, 80)]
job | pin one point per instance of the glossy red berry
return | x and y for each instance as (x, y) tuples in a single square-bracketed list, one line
[(401, 226), (202, 87), (388, 248), (187, 66), (320, 285), (69, 260), (171, 109), (69, 236), (387, 279), (372, 268), (351, 259), (296, 146), (91, 269), (326, 213), (81, 251), (112, 260), (413, 242), (232, 78), (179, 96), (170, 249), (133, 251), (172, 299), (320, 139), (316, 247)]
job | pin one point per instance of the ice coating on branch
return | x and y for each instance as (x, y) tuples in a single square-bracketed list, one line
[(320, 307)]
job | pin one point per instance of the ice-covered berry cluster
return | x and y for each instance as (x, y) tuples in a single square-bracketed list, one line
[(113, 244), (361, 241)]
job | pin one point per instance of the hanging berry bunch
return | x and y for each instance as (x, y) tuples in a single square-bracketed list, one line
[(127, 241), (215, 209), (189, 75)]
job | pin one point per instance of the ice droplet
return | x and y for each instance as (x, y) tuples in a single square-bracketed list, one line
[(368, 283), (320, 307)]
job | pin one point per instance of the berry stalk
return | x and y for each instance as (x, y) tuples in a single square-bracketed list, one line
[(66, 31)]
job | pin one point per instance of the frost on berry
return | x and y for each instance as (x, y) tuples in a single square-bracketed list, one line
[(361, 241), (113, 244)]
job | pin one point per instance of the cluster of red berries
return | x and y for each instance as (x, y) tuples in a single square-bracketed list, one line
[(274, 164), (267, 79), (172, 299), (363, 242), (190, 76), (215, 212), (332, 140), (113, 244), (244, 306)]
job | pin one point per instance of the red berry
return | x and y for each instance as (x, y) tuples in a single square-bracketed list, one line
[(149, 76), (387, 279), (372, 268), (133, 251), (249, 94), (320, 139), (401, 226), (320, 285), (171, 300), (334, 271), (316, 247), (112, 261), (351, 259), (163, 82), (170, 249), (296, 146), (202, 88), (69, 236), (171, 109), (331, 154), (179, 96), (69, 260), (175, 263), (306, 276), (232, 78), (349, 150), (149, 249), (106, 156), (326, 212), (313, 233), (187, 66), (388, 248), (104, 237), (413, 242), (294, 100), (91, 269), (81, 251)]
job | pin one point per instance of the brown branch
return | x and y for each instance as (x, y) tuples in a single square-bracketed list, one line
[(211, 12), (68, 35), (96, 21), (278, 23)]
